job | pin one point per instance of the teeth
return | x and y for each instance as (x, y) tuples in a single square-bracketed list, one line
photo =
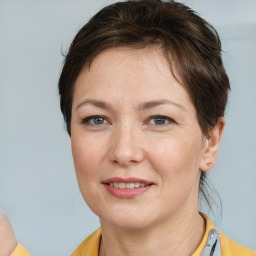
[(121, 185), (137, 185), (129, 185)]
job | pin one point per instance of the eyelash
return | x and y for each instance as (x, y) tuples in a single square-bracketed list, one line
[(170, 120), (89, 118)]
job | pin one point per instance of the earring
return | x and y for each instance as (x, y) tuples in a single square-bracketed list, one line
[(209, 164)]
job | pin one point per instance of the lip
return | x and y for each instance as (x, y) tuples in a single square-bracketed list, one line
[(126, 180), (126, 193)]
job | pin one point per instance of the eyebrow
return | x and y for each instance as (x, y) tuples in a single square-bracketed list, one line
[(141, 107), (96, 103), (155, 103)]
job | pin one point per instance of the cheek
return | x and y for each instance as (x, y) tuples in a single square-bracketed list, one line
[(176, 158), (86, 157)]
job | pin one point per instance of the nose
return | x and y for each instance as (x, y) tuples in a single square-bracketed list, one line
[(126, 146)]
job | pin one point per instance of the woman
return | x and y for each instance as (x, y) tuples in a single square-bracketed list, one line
[(143, 92)]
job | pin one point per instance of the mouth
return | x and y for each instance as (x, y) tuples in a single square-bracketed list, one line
[(130, 185), (127, 188)]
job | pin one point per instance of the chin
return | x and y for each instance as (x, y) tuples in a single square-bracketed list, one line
[(129, 223), (127, 218)]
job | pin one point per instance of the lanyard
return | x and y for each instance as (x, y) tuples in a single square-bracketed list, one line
[(212, 247)]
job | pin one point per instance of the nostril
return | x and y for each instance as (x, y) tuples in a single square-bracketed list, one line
[(126, 147)]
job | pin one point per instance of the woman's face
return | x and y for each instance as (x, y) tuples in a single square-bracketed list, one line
[(136, 141)]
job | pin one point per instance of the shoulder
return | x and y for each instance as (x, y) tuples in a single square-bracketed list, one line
[(225, 246), (231, 248), (20, 251), (90, 246)]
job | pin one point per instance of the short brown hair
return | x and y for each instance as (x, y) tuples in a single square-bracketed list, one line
[(188, 42), (186, 39)]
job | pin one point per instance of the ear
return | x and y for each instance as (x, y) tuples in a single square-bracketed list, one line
[(211, 146)]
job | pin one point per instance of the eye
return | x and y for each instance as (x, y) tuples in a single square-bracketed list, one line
[(94, 120), (160, 120)]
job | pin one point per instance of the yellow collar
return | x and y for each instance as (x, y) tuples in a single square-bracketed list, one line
[(208, 228), (210, 244), (90, 246)]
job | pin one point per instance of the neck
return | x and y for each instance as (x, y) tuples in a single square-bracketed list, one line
[(181, 235)]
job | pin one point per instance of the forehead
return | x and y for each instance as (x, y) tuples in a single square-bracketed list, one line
[(146, 72), (130, 61)]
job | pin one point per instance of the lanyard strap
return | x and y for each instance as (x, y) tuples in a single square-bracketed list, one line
[(212, 247)]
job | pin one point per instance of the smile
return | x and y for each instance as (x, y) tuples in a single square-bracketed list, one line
[(129, 185), (126, 188)]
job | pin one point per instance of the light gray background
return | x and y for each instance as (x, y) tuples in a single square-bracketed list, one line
[(38, 188)]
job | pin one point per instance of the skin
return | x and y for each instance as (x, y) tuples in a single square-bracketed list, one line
[(7, 238), (129, 141)]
